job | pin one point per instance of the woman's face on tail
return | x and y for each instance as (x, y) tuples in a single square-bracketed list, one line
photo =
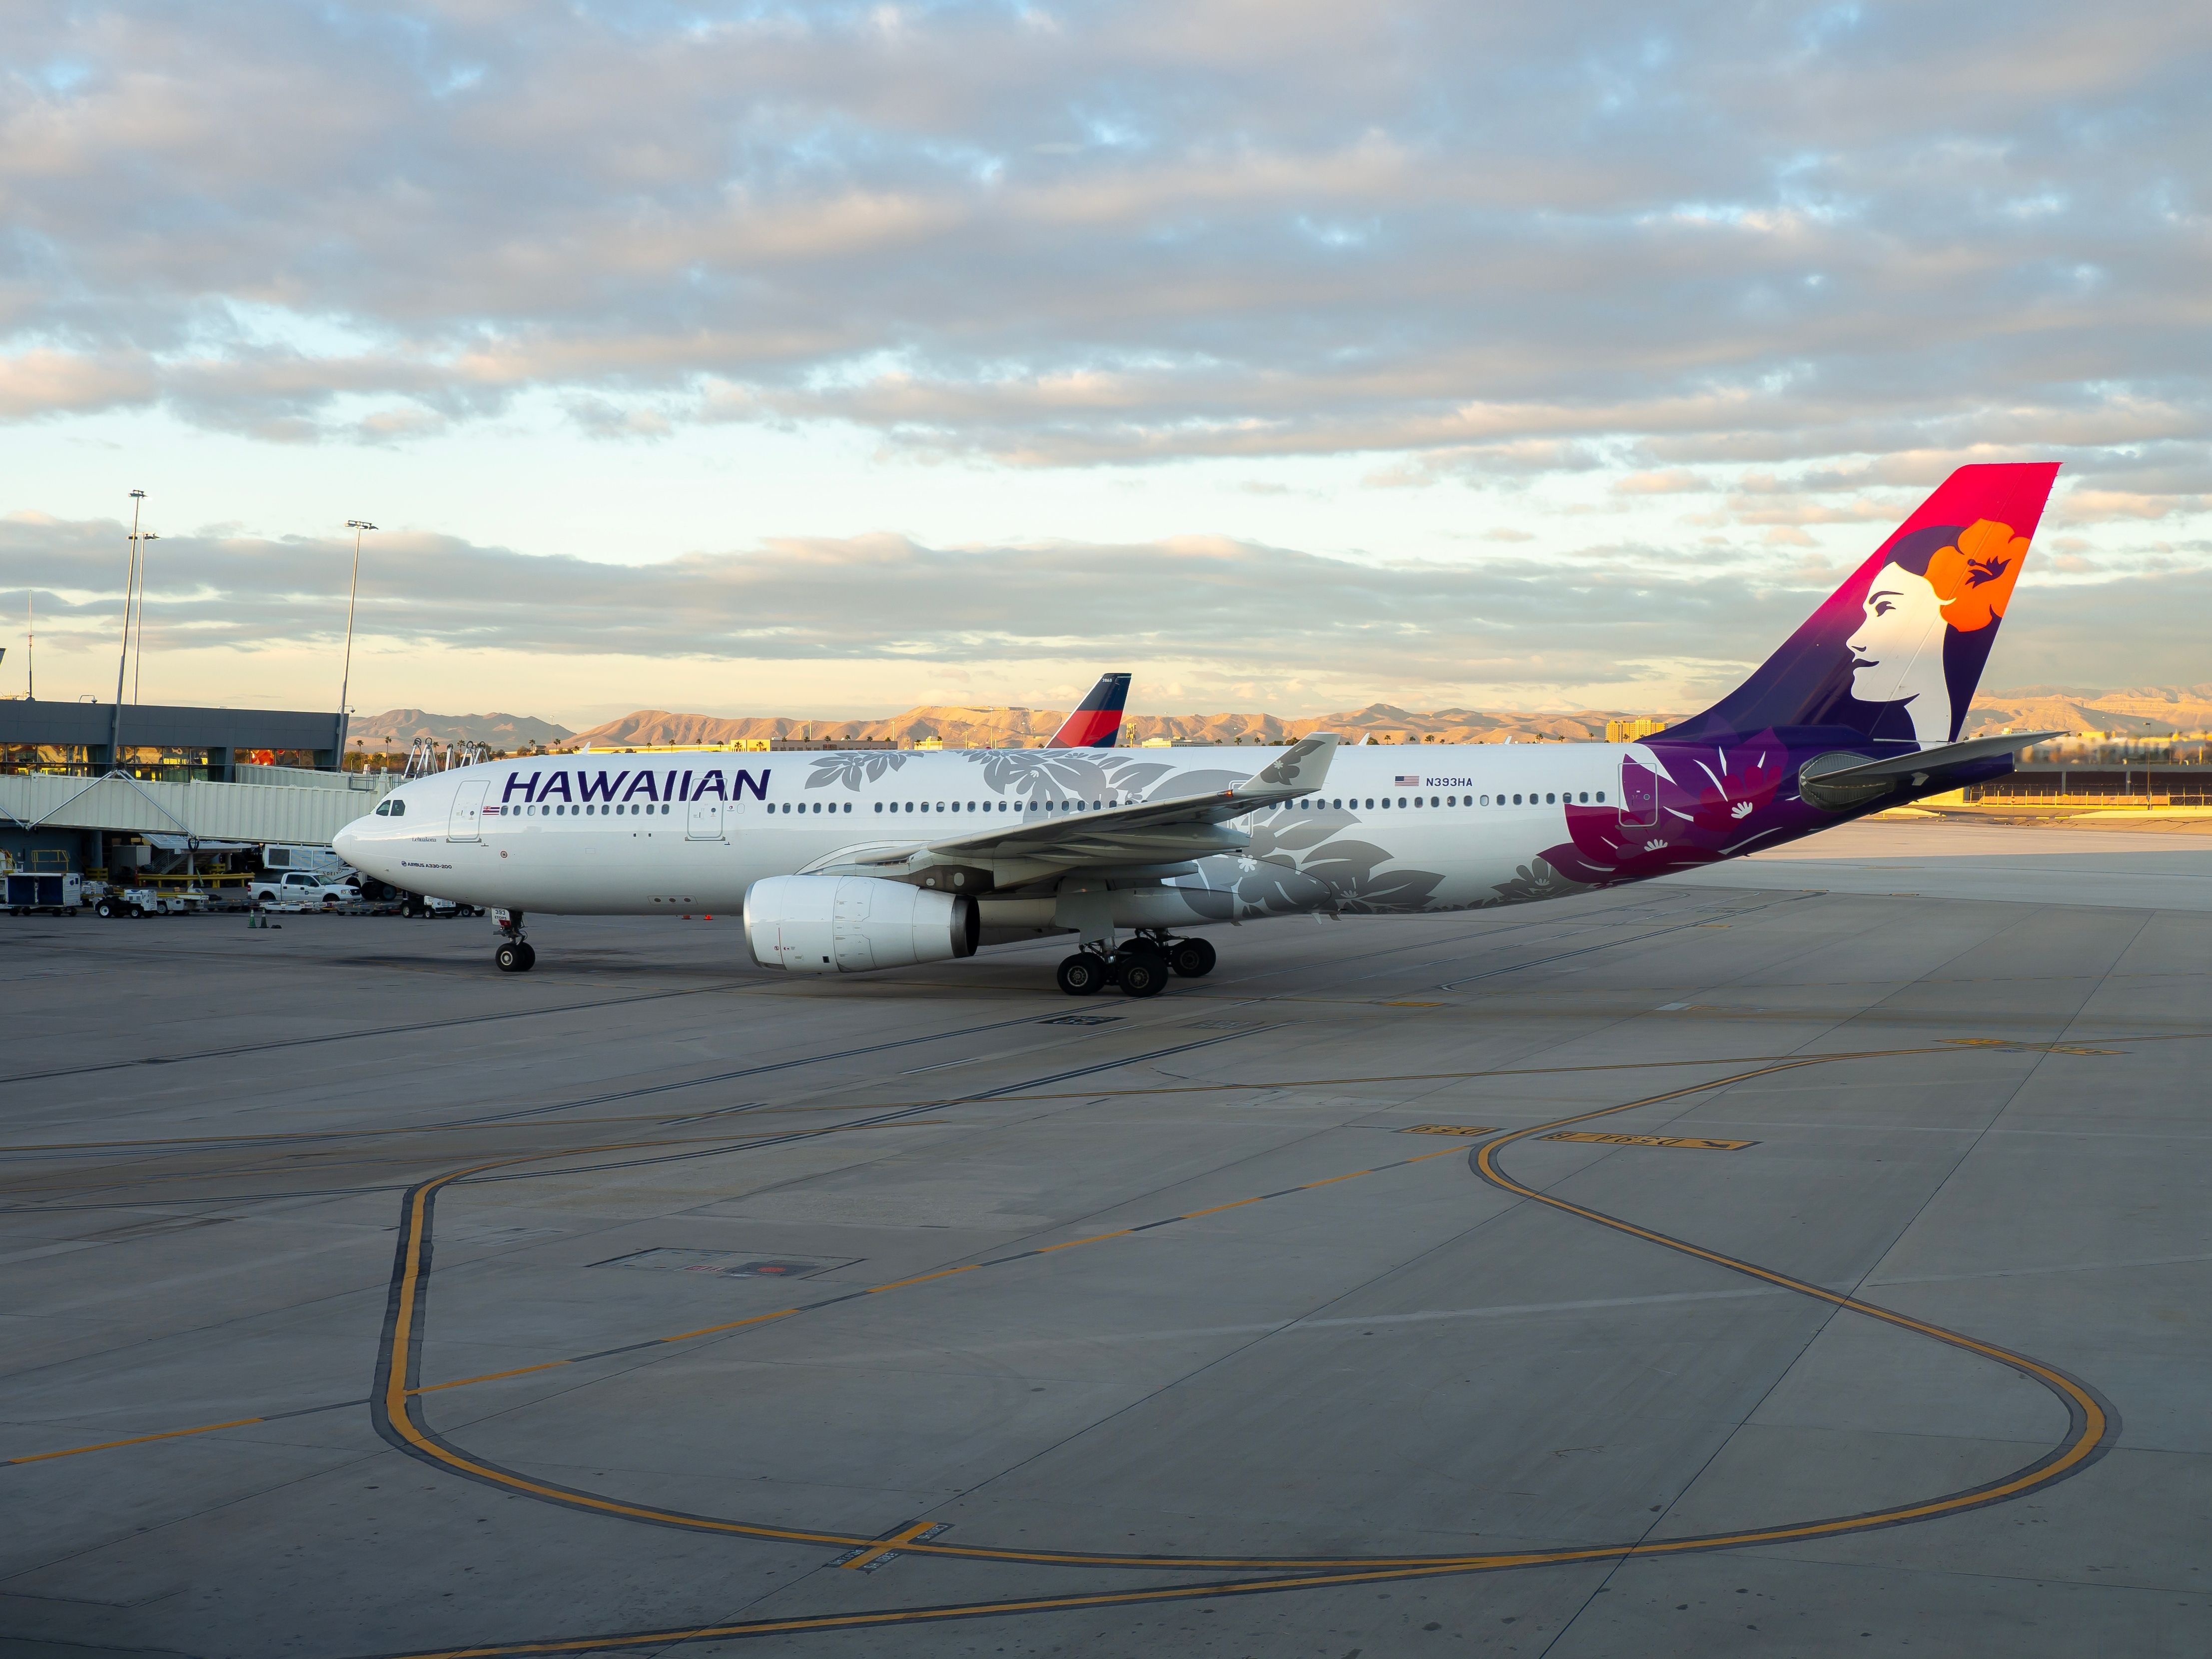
[(1904, 626)]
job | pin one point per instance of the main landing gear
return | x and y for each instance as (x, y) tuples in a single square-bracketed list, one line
[(514, 955), (1140, 967)]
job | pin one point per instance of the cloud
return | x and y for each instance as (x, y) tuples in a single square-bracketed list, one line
[(1546, 629), (1497, 242)]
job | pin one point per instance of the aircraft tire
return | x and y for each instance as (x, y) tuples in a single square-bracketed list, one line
[(1081, 973), (1192, 959), (509, 959), (528, 957), (1143, 974)]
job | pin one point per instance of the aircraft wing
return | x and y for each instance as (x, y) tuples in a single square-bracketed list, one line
[(1842, 780), (1166, 830)]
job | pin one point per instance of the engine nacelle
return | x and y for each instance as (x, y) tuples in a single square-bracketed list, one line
[(849, 924)]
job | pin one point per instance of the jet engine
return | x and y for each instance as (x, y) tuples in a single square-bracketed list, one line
[(849, 924)]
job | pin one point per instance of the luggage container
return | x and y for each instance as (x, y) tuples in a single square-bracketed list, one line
[(59, 895)]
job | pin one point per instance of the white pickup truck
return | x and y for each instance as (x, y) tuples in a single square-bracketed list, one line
[(304, 888)]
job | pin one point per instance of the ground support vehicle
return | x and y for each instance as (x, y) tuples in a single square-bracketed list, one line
[(415, 905), (50, 893), (134, 902)]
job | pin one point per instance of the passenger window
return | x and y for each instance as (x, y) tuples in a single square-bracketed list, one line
[(1432, 799), (1550, 799), (1586, 796), (1516, 801), (1601, 796), (880, 806), (1486, 800)]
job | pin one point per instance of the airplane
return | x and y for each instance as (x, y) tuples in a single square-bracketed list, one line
[(844, 862)]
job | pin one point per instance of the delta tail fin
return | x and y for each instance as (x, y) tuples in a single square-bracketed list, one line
[(1896, 652), (1097, 721)]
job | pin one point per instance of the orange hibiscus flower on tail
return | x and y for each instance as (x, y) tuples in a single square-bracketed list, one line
[(1974, 579)]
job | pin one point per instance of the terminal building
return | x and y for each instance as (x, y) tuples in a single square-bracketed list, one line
[(91, 787), (161, 741)]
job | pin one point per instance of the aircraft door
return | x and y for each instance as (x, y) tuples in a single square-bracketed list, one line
[(705, 822), (1639, 794), (466, 822)]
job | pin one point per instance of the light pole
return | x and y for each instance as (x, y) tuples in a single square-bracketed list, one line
[(123, 659), (138, 651), (345, 680)]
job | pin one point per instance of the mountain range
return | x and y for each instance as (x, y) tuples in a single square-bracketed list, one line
[(977, 727), (396, 728), (2140, 712)]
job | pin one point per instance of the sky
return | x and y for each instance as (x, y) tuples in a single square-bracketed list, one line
[(826, 360)]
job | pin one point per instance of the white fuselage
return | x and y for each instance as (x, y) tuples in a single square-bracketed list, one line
[(1396, 828)]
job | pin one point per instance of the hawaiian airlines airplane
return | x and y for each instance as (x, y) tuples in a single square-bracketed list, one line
[(847, 862)]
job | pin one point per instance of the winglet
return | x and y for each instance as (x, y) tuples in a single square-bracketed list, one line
[(1298, 770)]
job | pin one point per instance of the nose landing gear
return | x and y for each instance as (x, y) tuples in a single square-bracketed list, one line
[(514, 955)]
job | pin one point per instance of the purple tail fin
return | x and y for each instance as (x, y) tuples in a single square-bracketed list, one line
[(1896, 652)]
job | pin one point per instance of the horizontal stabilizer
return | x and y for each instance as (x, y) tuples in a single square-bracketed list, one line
[(1840, 782)]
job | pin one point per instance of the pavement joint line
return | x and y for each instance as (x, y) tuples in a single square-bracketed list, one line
[(281, 1043), (1608, 945), (179, 1434), (1958, 1044)]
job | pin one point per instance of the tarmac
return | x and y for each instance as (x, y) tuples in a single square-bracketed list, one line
[(1807, 1257)]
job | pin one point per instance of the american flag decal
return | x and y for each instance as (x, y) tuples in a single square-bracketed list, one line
[(1409, 781)]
